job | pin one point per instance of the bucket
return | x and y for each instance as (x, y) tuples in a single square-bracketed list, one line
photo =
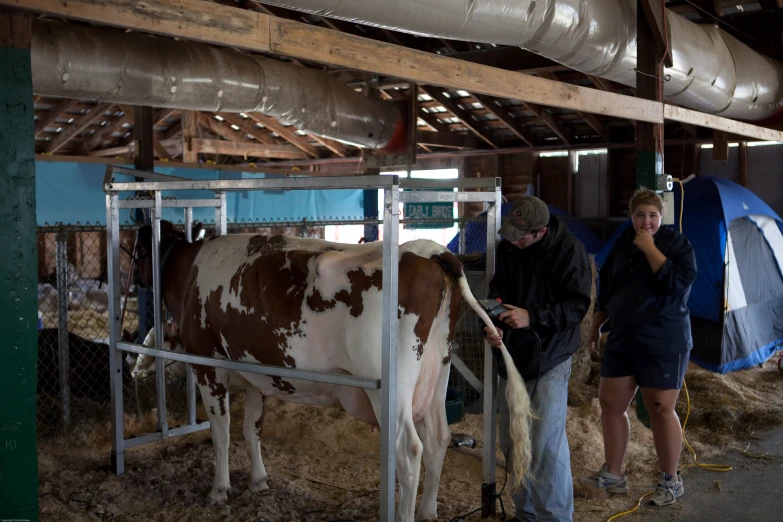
[(454, 405), (40, 320)]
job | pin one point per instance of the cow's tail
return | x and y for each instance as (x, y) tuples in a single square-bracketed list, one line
[(517, 398)]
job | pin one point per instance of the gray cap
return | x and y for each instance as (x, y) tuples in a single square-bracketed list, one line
[(528, 214)]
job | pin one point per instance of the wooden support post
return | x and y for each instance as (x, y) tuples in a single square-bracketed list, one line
[(649, 136), (743, 163), (144, 155), (189, 132), (18, 302), (720, 146)]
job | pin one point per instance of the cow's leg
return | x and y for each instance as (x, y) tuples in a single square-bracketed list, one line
[(254, 421), (213, 384), (409, 448), (435, 435)]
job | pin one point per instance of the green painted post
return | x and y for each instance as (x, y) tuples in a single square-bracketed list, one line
[(18, 281)]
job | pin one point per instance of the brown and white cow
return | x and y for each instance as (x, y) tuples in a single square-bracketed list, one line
[(315, 305)]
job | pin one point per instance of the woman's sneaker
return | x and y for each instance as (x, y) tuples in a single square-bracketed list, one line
[(668, 491), (602, 479)]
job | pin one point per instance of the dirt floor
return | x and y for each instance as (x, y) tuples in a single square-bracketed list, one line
[(324, 464)]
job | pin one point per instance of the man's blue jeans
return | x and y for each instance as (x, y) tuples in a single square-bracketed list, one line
[(549, 495)]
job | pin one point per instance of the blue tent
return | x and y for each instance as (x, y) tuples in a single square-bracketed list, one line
[(476, 232), (736, 302)]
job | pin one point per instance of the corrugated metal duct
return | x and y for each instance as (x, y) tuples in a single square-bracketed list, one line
[(713, 72), (74, 61)]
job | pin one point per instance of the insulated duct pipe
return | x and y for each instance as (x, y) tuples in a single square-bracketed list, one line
[(713, 72), (74, 61)]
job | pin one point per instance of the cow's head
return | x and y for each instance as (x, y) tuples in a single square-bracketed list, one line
[(169, 236)]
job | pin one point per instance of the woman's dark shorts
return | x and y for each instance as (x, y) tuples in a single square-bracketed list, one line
[(665, 372)]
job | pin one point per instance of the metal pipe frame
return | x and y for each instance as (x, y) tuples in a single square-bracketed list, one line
[(63, 348), (387, 384)]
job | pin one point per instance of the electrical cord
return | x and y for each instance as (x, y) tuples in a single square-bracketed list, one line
[(720, 468)]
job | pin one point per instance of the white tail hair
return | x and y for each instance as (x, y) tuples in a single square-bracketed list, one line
[(518, 401)]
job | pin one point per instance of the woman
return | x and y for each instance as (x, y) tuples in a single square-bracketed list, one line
[(643, 290)]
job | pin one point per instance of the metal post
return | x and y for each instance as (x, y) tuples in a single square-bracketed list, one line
[(191, 379), (115, 359), (63, 350), (160, 364), (462, 239), (220, 214), (388, 420), (489, 486)]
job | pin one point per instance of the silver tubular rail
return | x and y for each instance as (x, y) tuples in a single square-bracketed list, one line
[(425, 191)]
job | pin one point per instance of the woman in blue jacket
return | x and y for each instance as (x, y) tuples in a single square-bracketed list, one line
[(643, 289)]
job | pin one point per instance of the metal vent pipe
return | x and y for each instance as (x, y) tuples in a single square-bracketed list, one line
[(713, 72), (75, 61)]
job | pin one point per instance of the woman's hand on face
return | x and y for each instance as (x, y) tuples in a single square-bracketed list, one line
[(644, 241)]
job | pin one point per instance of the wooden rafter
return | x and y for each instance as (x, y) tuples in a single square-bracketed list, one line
[(78, 127), (335, 146), (55, 112), (287, 133), (97, 139), (248, 127), (503, 115), (550, 121), (260, 150), (162, 115), (208, 121), (450, 140), (450, 105)]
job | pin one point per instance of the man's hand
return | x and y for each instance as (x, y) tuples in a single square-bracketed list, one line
[(515, 317), (644, 241), (494, 337)]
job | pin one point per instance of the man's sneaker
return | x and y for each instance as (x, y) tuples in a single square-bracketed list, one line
[(602, 479), (668, 490)]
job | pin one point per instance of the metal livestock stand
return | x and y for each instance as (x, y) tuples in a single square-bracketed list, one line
[(157, 183)]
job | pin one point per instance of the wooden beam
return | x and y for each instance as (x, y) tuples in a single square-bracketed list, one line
[(700, 119), (230, 26), (161, 116), (550, 121), (654, 12), (720, 146), (743, 163), (451, 140), (649, 136), (260, 150), (172, 146), (503, 115), (591, 119), (55, 112), (144, 139), (77, 127), (189, 133), (335, 146), (248, 127), (464, 116), (287, 133), (224, 131)]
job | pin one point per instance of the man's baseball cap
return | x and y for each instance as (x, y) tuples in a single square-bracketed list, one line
[(528, 214)]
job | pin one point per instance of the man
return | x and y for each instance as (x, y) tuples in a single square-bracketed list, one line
[(543, 277)]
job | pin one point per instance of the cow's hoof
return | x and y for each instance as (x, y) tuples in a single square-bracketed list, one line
[(257, 486), (218, 497), (426, 518)]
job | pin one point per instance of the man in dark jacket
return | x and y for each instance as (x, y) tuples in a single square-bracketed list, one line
[(543, 277)]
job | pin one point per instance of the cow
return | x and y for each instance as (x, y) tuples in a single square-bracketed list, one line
[(316, 305), (144, 365)]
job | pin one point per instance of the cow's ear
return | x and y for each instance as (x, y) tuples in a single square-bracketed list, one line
[(145, 235)]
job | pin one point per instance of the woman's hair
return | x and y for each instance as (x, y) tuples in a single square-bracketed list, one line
[(645, 197)]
